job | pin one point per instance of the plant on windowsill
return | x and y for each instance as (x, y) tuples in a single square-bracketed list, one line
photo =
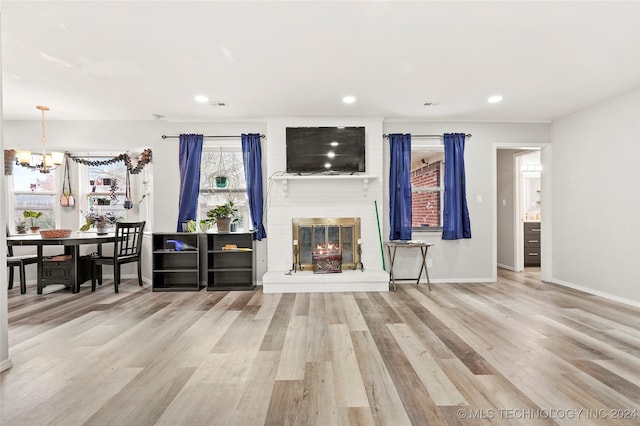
[(102, 222), (21, 226), (32, 216), (223, 215)]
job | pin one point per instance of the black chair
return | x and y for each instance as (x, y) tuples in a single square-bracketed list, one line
[(127, 249), (19, 262)]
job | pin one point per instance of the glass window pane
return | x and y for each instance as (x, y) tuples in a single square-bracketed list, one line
[(25, 179), (222, 163), (227, 163), (103, 178), (427, 183), (37, 202), (105, 188)]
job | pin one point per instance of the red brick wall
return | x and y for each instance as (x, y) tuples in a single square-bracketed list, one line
[(426, 205)]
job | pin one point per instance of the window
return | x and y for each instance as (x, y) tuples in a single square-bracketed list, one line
[(35, 191), (217, 162), (103, 189), (427, 186)]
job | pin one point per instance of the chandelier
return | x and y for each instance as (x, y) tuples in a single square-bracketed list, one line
[(47, 162)]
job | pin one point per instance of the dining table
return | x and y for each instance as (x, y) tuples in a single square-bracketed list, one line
[(71, 246)]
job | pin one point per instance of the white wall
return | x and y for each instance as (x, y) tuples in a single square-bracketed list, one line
[(465, 260), (596, 197), (471, 259)]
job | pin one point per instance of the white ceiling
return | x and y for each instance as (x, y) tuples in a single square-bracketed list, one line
[(124, 60)]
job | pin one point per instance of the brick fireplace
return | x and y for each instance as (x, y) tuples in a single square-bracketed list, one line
[(324, 196), (351, 273)]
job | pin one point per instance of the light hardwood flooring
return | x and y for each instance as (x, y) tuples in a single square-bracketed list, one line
[(518, 351)]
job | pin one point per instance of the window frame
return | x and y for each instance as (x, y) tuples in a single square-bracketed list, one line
[(10, 211), (245, 213), (416, 149), (139, 183)]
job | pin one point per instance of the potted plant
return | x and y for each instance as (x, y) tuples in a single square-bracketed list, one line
[(32, 216), (102, 222), (222, 215), (205, 225), (221, 177), (21, 226)]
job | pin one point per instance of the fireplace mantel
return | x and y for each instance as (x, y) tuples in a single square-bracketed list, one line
[(284, 180)]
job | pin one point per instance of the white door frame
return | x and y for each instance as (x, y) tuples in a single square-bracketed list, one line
[(518, 247), (545, 207)]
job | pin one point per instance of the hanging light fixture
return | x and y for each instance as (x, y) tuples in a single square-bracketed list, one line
[(48, 162)]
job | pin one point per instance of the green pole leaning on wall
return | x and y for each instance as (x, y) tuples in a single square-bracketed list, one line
[(375, 203)]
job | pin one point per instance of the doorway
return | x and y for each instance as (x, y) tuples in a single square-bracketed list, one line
[(522, 225), (528, 195)]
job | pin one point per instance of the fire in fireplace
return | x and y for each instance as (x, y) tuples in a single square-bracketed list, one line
[(327, 259), (326, 245)]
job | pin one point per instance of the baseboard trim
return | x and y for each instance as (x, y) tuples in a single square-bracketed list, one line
[(630, 302), (5, 364), (507, 267), (455, 281)]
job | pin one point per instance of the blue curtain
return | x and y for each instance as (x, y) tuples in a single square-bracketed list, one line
[(189, 159), (400, 187), (456, 214), (252, 159)]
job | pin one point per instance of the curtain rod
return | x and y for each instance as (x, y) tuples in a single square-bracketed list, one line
[(208, 137), (426, 136)]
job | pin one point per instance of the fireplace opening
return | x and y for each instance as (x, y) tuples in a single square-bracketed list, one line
[(326, 245), (327, 259)]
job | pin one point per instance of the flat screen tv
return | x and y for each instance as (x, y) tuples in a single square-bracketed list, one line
[(325, 150)]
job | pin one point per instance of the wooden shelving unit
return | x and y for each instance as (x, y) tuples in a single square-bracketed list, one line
[(232, 269), (176, 270)]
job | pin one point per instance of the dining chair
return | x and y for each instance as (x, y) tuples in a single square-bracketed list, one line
[(127, 249), (19, 262)]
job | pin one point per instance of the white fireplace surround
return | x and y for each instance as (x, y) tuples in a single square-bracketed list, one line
[(333, 196), (284, 278)]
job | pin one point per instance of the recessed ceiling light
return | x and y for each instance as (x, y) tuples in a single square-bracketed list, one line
[(349, 99), (201, 98), (331, 154), (495, 99)]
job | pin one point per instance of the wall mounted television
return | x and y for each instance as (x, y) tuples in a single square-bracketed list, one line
[(329, 150)]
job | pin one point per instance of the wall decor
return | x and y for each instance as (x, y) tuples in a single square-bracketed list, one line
[(134, 164), (66, 198)]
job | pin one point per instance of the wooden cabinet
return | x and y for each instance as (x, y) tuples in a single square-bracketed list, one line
[(176, 262), (231, 268), (532, 244), (59, 270)]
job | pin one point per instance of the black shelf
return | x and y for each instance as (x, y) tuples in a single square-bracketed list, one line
[(176, 270), (231, 269)]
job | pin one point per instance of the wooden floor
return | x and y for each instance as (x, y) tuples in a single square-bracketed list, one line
[(516, 352)]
